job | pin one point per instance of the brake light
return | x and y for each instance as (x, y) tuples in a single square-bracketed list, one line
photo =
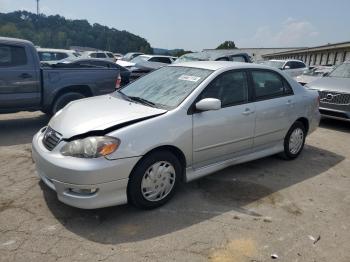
[(118, 82)]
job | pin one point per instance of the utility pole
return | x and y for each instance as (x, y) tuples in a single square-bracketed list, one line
[(37, 7)]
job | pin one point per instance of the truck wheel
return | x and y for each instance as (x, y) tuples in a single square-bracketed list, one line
[(63, 100), (154, 180)]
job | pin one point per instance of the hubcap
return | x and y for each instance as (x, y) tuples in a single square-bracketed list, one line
[(296, 141), (158, 181)]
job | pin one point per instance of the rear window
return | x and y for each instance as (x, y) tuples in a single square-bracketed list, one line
[(12, 55)]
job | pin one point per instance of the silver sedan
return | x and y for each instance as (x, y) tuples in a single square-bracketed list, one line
[(179, 123)]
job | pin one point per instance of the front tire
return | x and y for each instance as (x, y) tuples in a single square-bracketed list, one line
[(154, 180), (294, 141)]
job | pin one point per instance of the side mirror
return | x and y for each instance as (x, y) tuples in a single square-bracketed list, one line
[(286, 67), (208, 104)]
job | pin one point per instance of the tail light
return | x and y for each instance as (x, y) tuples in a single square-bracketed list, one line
[(118, 82)]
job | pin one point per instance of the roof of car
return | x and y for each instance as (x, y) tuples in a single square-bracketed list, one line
[(216, 65), (212, 55), (15, 40), (55, 50), (286, 60), (150, 56)]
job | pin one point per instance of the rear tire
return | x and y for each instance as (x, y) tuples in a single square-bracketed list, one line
[(154, 180), (294, 141), (63, 100)]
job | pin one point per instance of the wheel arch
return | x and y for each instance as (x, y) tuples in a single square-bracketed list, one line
[(305, 122)]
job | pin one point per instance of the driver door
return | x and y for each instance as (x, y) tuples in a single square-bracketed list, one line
[(223, 134)]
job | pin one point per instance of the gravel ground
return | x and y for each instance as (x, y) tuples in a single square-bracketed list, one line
[(298, 210)]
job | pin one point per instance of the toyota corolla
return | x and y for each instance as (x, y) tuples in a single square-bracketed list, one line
[(177, 124)]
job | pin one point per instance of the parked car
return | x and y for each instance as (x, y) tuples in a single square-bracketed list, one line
[(95, 62), (291, 67), (312, 74), (26, 86), (144, 68), (147, 58), (130, 56), (334, 90), (100, 55), (216, 55), (52, 56), (178, 123), (118, 56)]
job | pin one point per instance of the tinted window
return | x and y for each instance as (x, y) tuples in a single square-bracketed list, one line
[(267, 84), (12, 55), (110, 55), (60, 56), (160, 60), (222, 59), (300, 65), (93, 55), (290, 64), (101, 55), (238, 58), (230, 87)]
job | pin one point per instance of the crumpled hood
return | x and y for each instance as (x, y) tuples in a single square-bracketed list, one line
[(331, 84), (98, 113)]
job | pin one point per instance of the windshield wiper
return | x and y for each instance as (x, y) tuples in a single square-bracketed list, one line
[(142, 100)]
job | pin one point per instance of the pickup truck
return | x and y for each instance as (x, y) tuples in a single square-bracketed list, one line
[(26, 85)]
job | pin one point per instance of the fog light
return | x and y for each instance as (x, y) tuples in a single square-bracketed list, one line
[(83, 191)]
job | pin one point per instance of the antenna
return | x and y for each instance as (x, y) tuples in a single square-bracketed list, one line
[(37, 7)]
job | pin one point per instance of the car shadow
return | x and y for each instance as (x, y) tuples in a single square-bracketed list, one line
[(242, 189), (15, 130), (336, 125)]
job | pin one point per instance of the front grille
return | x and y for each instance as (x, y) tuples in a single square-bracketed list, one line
[(51, 138), (336, 98)]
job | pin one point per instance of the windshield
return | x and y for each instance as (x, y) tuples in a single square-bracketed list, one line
[(342, 71), (166, 87), (275, 64), (139, 59)]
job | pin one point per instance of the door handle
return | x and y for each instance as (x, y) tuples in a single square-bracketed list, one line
[(25, 75)]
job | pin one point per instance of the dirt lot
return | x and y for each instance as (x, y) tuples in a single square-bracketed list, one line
[(298, 210)]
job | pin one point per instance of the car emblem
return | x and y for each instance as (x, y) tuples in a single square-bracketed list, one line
[(329, 96)]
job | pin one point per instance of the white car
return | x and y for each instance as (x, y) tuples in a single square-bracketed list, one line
[(291, 67), (147, 58), (176, 124), (53, 56), (101, 55)]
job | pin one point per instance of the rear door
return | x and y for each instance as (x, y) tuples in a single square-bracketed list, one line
[(228, 132), (19, 78), (274, 103)]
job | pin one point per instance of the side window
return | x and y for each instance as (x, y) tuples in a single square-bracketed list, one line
[(290, 64), (60, 56), (12, 55), (230, 87), (93, 55), (223, 59), (238, 58), (164, 60), (110, 55), (300, 65), (269, 85), (101, 55)]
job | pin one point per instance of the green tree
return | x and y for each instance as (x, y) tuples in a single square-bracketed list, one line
[(227, 45)]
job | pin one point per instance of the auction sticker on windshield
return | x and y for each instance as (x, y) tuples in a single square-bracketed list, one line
[(189, 78)]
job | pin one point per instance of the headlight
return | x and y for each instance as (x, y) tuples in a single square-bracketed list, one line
[(91, 147)]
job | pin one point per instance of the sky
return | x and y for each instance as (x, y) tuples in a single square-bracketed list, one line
[(199, 24)]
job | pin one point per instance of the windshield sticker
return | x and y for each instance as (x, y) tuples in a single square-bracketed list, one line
[(189, 78)]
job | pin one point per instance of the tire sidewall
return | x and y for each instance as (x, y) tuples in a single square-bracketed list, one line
[(135, 196), (287, 152)]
